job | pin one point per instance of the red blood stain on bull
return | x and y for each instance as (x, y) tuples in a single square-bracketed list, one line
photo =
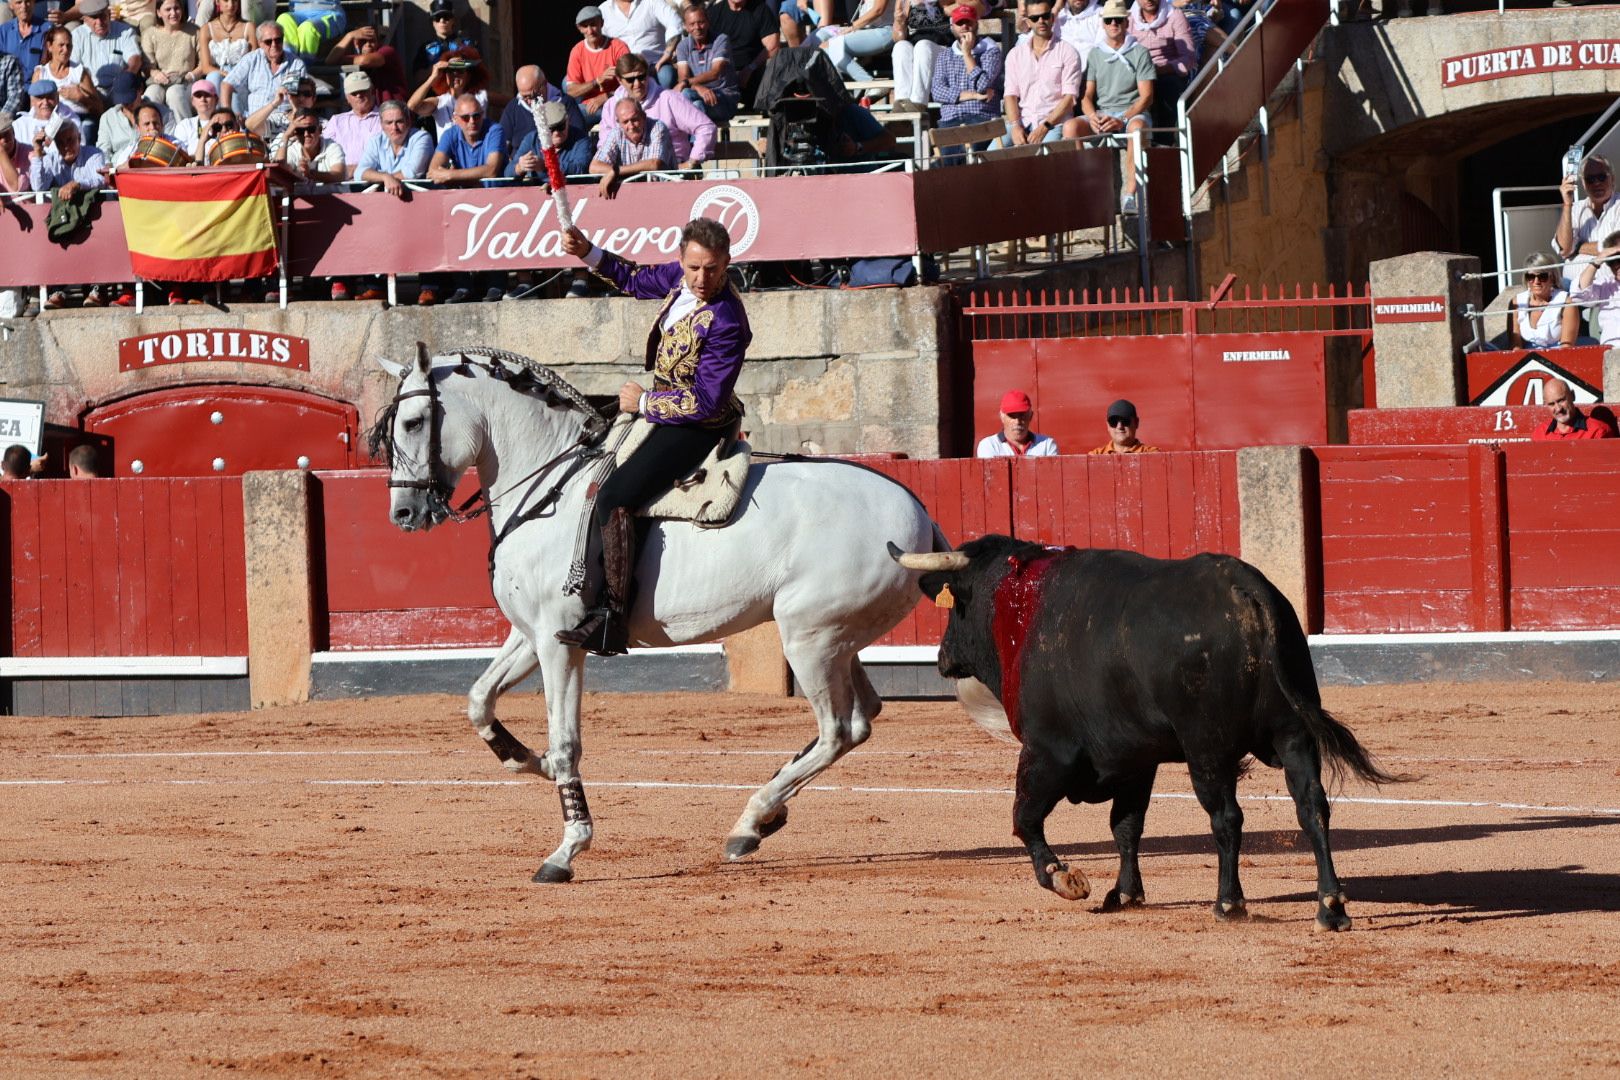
[(1016, 603)]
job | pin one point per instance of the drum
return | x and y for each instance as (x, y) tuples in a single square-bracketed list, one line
[(158, 151), (238, 148)]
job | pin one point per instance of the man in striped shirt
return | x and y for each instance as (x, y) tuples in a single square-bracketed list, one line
[(637, 145)]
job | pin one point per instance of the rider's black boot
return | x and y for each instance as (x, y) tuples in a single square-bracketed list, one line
[(602, 631)]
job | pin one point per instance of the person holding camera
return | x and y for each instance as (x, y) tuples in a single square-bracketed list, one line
[(1582, 222)]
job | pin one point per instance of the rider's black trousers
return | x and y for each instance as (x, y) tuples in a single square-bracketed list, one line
[(670, 453)]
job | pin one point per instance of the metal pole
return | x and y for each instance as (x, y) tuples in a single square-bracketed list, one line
[(1138, 152), (1185, 145)]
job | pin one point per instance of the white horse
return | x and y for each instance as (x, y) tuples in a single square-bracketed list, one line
[(807, 548)]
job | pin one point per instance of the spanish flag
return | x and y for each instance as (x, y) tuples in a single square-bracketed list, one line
[(189, 226)]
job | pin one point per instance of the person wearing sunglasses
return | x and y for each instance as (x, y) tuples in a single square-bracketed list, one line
[(1042, 83), (316, 160), (1016, 438), (690, 128), (1540, 317), (447, 39), (1583, 222), (262, 83), (1122, 424), (467, 155), (1120, 86)]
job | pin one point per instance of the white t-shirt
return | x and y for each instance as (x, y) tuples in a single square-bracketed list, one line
[(996, 445)]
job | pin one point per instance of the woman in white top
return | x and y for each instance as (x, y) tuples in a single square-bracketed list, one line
[(870, 33), (1540, 317), (225, 39), (72, 81)]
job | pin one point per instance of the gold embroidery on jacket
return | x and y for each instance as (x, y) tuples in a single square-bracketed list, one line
[(675, 366)]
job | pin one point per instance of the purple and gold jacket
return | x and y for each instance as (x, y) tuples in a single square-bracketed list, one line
[(694, 364)]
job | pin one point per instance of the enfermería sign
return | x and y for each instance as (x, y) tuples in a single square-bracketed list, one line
[(1537, 59)]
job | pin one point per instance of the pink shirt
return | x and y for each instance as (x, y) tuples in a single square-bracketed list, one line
[(690, 128), (1168, 39), (1039, 84)]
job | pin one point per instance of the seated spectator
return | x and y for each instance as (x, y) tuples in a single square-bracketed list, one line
[(83, 463), (637, 144), (45, 104), (225, 39), (921, 31), (453, 75), (13, 165), (351, 130), (447, 39), (870, 33), (16, 463), (703, 70), (193, 132), (262, 84), (24, 36), (650, 28), (1598, 282), (13, 96), (533, 91), (71, 167), (1203, 19), (967, 78), (1164, 33), (400, 151), (799, 20), (1042, 83), (364, 49), (1122, 425), (753, 35), (1540, 317), (70, 80), (1582, 223), (472, 153), (116, 131), (1015, 439), (270, 122), (590, 78), (691, 131), (105, 46), (572, 146), (139, 14), (1567, 421), (316, 160), (148, 119), (170, 47), (312, 26), (1120, 88), (221, 121), (1078, 24)]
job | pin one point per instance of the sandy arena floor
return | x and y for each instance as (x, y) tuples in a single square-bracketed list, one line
[(343, 889)]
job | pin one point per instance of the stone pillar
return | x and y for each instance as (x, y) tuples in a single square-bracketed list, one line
[(755, 663), (280, 590), (1419, 343), (1278, 530), (1611, 376)]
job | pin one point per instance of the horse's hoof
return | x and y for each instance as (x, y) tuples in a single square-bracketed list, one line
[(1330, 916), (773, 826), (552, 874), (1231, 910), (1118, 901), (1069, 884), (740, 847)]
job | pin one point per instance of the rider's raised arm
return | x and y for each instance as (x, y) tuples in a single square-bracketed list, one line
[(641, 282)]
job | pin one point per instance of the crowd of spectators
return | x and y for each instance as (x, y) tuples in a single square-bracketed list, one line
[(645, 87)]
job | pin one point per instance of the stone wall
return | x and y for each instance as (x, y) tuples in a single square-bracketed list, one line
[(847, 371)]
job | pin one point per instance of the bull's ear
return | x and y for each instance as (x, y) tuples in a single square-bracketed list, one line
[(396, 370), (943, 589)]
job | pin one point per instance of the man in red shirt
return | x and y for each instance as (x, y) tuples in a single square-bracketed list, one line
[(1568, 422), (590, 78)]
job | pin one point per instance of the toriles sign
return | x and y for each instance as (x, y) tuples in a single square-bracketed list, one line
[(213, 346), (1538, 59), (1393, 309)]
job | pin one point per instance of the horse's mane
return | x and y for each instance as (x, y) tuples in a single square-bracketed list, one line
[(515, 370)]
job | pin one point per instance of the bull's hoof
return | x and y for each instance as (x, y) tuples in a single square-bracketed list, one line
[(1231, 910), (552, 874), (1330, 914), (1067, 883), (1118, 901), (740, 847)]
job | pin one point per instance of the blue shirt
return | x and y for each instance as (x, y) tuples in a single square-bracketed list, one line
[(462, 155), (29, 51), (517, 120), (410, 163)]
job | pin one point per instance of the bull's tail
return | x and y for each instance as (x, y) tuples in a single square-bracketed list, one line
[(1296, 678)]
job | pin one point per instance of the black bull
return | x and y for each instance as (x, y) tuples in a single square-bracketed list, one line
[(1108, 663)]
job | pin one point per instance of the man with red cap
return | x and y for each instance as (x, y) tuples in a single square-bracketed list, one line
[(1015, 439)]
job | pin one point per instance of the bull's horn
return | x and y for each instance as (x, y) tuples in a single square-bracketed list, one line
[(932, 560)]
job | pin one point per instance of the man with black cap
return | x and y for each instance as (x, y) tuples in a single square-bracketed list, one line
[(1016, 439), (447, 38), (1122, 424)]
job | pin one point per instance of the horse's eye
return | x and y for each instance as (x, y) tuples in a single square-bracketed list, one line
[(413, 426)]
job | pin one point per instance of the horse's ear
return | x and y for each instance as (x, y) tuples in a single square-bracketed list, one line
[(396, 370)]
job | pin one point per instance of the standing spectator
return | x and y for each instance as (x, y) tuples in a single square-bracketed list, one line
[(264, 80), (13, 165), (1581, 224), (1042, 83), (967, 78), (193, 132), (922, 30), (690, 130), (316, 160), (753, 34), (104, 45), (1164, 33), (1598, 282), (650, 28), (869, 34), (638, 144), (170, 45), (16, 463), (1078, 24), (351, 130), (703, 70), (24, 36), (12, 98), (225, 39), (365, 50), (1016, 439), (1119, 88), (517, 119), (452, 76), (447, 39), (399, 151), (590, 78), (1567, 421), (465, 157), (71, 80), (1122, 425), (1541, 317)]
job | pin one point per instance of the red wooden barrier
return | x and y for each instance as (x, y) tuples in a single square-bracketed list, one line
[(1563, 536), (1458, 424), (130, 567)]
